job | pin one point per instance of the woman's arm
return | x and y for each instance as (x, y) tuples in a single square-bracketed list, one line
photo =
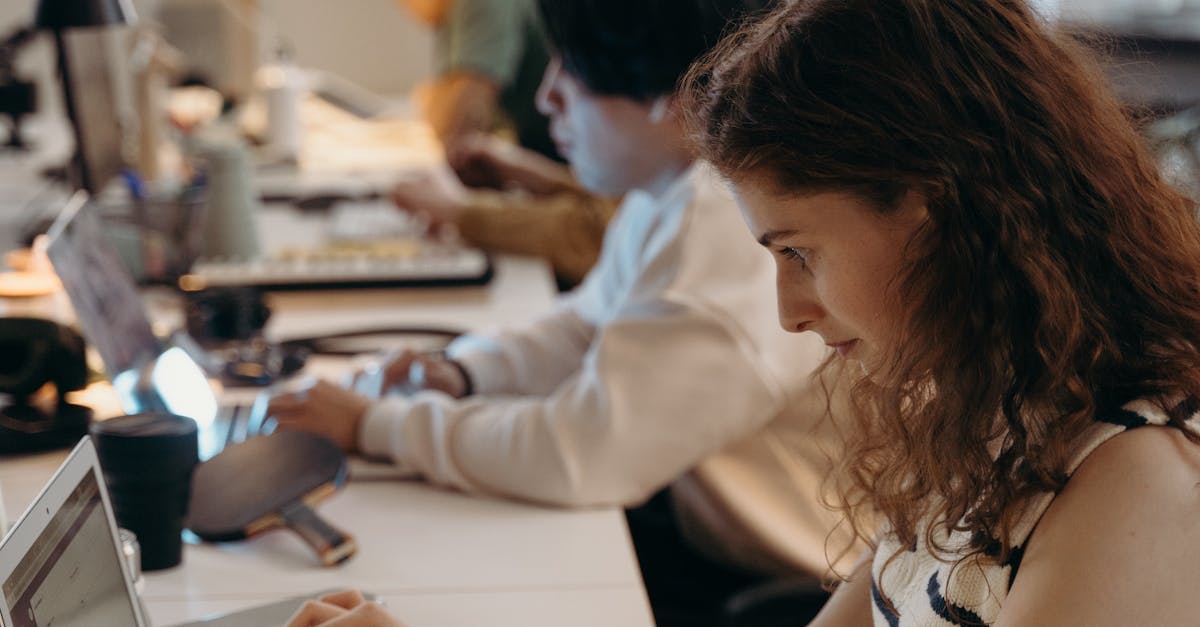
[(850, 605), (1120, 545)]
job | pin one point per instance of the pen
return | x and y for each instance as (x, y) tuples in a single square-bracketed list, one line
[(153, 257), (137, 189)]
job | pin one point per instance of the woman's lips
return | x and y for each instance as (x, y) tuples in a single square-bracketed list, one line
[(844, 348)]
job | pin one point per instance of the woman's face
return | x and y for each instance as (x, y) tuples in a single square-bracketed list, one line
[(835, 257)]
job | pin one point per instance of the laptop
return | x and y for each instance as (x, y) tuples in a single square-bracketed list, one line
[(61, 563), (147, 374)]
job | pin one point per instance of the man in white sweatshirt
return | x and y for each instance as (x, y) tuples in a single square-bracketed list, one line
[(665, 369)]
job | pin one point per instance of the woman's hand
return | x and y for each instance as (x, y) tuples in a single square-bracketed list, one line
[(342, 609)]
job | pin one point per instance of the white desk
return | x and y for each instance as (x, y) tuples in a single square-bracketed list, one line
[(437, 558), (452, 559)]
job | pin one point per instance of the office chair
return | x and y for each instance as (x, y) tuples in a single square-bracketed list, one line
[(787, 602), (1175, 139)]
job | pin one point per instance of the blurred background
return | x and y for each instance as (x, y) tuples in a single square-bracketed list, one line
[(374, 43)]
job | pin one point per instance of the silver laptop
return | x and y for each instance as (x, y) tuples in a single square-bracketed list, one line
[(61, 565), (148, 374)]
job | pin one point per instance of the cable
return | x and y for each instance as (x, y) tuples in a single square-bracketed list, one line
[(330, 344)]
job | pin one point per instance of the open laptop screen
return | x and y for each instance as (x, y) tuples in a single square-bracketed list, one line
[(70, 576), (146, 375), (60, 565), (103, 293)]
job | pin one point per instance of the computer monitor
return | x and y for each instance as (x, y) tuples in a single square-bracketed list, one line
[(98, 88)]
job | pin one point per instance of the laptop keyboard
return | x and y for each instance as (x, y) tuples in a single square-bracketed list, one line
[(235, 423)]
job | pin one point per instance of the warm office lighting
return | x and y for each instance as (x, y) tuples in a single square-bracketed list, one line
[(61, 14)]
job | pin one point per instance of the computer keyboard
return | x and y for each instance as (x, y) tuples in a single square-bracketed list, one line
[(366, 244), (371, 220)]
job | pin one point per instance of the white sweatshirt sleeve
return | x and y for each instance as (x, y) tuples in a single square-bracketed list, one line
[(531, 359), (535, 358), (634, 378), (646, 403)]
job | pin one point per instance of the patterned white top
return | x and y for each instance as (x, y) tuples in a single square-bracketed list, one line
[(927, 592)]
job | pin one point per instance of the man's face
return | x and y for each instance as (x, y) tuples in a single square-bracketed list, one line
[(612, 142)]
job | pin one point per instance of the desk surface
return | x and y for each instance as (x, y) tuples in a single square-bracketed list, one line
[(436, 558)]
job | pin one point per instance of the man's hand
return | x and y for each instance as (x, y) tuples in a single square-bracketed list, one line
[(434, 195), (459, 103), (342, 609), (322, 408), (484, 160), (409, 372)]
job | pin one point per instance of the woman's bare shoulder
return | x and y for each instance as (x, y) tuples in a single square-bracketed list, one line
[(1119, 545)]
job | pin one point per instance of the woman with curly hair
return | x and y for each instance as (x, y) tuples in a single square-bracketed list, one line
[(958, 206)]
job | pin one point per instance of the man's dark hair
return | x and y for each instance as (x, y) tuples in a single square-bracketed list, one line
[(637, 48)]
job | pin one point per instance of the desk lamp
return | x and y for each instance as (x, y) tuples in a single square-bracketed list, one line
[(59, 16)]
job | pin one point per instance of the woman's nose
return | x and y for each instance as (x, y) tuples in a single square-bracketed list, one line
[(799, 309)]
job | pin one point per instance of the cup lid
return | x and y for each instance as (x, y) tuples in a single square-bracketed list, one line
[(146, 436)]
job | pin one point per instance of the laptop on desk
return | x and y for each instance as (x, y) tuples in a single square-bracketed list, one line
[(61, 564), (147, 374)]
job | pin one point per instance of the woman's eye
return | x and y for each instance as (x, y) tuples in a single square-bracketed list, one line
[(798, 254)]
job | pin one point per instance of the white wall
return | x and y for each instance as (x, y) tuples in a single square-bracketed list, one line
[(374, 43), (1104, 10)]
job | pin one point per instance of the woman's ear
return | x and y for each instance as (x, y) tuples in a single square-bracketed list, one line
[(914, 207)]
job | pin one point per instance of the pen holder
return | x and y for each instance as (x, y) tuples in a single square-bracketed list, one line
[(158, 236)]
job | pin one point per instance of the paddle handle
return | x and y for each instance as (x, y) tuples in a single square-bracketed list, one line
[(331, 544)]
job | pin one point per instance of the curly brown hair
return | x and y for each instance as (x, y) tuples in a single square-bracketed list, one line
[(1058, 274)]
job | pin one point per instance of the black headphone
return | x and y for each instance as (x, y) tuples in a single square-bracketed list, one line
[(34, 352)]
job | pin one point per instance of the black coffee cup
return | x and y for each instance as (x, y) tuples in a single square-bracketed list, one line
[(148, 461)]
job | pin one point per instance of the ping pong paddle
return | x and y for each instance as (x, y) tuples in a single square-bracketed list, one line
[(269, 482)]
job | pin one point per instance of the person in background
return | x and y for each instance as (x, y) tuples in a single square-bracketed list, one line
[(962, 210), (497, 194), (664, 373), (521, 203), (489, 57)]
